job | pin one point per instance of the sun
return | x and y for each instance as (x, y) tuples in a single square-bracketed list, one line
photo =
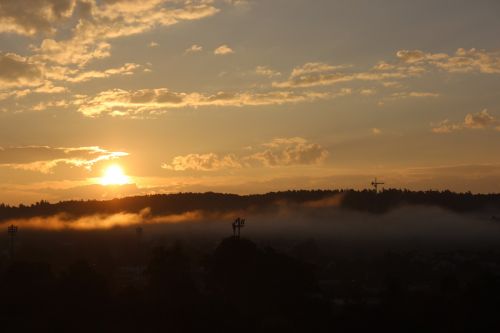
[(114, 175)]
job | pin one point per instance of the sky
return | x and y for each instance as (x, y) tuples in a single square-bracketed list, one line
[(106, 98)]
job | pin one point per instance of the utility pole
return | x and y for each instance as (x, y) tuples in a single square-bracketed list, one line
[(139, 231), (12, 231)]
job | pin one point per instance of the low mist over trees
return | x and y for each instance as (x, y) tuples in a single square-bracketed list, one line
[(164, 204)]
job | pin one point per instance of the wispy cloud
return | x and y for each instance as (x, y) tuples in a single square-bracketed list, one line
[(400, 95), (266, 71), (21, 76), (408, 64), (322, 74), (194, 49), (45, 159), (463, 61), (126, 69), (118, 102)]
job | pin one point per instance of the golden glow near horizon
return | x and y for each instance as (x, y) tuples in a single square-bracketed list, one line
[(114, 175)]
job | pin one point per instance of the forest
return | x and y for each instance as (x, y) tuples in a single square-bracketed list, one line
[(163, 204)]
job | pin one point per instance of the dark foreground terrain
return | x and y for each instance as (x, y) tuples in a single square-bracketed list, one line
[(307, 262)]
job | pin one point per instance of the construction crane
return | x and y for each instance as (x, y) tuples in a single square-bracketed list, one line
[(375, 184)]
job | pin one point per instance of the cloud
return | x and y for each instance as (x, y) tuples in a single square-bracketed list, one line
[(237, 2), (322, 74), (44, 158), (118, 102), (463, 61), (290, 151), (479, 120), (266, 71), (72, 75), (127, 69), (223, 50), (49, 88), (391, 84), (72, 51), (30, 17), (417, 56), (51, 104), (107, 20), (368, 92), (202, 162), (422, 94), (408, 64), (415, 94), (194, 49), (16, 71), (73, 33), (21, 76), (445, 126), (315, 67), (279, 152)]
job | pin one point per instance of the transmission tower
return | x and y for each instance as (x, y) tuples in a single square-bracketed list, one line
[(237, 225)]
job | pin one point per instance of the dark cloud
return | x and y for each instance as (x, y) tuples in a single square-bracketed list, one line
[(18, 71), (30, 17)]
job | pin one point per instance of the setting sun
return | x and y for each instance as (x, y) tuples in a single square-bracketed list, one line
[(114, 175)]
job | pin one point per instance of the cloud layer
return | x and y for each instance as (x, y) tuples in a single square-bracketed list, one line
[(45, 159), (118, 102), (408, 64), (88, 27), (279, 152)]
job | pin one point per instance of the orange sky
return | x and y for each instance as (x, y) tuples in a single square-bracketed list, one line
[(246, 96)]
